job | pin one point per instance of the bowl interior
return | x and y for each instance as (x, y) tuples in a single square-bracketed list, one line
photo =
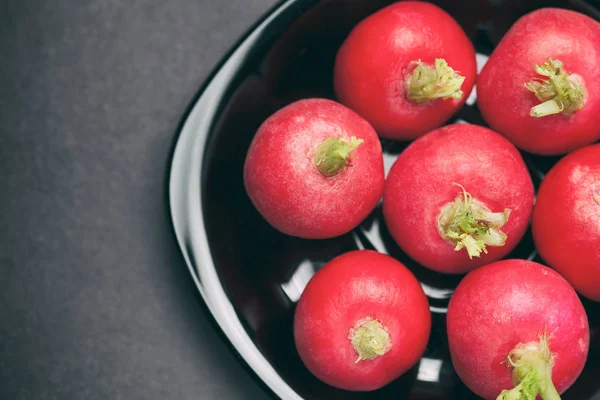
[(264, 272)]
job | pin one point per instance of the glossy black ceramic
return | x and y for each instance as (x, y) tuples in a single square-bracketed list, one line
[(251, 276)]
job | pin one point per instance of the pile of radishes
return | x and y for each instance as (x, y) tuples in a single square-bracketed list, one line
[(457, 200)]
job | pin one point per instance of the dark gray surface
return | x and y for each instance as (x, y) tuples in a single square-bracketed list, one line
[(95, 301)]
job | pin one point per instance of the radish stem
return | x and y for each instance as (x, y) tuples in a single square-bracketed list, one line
[(470, 225), (531, 365), (332, 155), (560, 93), (434, 82), (369, 339)]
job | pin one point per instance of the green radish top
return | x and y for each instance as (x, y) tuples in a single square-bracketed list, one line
[(434, 82), (370, 339), (332, 154), (470, 225), (531, 365), (560, 92)]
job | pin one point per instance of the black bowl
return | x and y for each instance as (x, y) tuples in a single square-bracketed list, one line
[(250, 275)]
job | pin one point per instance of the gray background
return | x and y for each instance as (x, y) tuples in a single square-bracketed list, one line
[(95, 301)]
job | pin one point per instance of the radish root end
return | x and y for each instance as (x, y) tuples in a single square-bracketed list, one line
[(370, 339), (531, 365), (560, 92), (439, 81), (332, 155), (470, 225)]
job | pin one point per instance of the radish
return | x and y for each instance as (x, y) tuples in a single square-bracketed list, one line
[(538, 87), (407, 69), (517, 330), (362, 321), (314, 169), (566, 220), (457, 198)]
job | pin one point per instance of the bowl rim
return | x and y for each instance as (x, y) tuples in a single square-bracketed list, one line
[(185, 189)]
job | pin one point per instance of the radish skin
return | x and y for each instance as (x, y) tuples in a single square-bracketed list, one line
[(457, 198), (517, 330), (538, 86), (362, 321), (314, 169), (568, 202), (407, 69)]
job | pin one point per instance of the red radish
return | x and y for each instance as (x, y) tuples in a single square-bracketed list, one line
[(566, 219), (538, 87), (362, 321), (406, 68), (458, 198), (314, 169), (517, 329)]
